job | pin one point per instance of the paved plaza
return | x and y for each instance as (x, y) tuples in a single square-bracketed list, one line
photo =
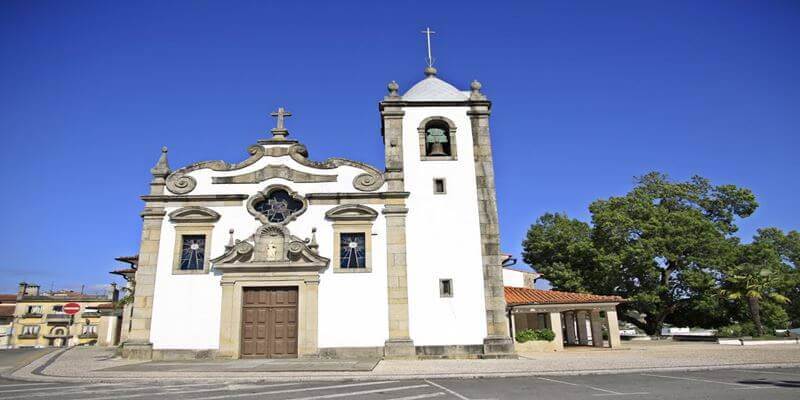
[(773, 383), (656, 370), (101, 364)]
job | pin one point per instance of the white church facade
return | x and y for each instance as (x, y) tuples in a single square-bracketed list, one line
[(281, 256)]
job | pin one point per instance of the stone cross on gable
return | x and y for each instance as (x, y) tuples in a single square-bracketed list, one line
[(279, 132)]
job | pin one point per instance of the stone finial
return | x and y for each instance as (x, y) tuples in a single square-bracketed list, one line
[(393, 88), (312, 245), (161, 169), (430, 71), (230, 240), (476, 94)]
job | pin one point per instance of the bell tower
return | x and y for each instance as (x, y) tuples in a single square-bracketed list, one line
[(438, 150)]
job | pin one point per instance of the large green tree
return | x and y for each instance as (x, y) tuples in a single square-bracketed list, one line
[(660, 246), (787, 247), (758, 275)]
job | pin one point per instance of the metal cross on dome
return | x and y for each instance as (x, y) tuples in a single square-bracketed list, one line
[(428, 32)]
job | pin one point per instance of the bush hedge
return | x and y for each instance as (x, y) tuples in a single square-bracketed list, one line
[(535, 334)]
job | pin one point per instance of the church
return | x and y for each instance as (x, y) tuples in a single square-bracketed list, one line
[(281, 256)]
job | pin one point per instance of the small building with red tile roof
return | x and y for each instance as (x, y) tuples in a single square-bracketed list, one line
[(575, 318)]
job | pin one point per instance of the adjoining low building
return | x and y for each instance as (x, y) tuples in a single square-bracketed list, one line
[(575, 318), (40, 320), (125, 309), (8, 302)]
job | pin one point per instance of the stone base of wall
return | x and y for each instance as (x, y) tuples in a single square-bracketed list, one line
[(450, 351), (399, 349), (498, 347), (177, 354), (137, 351), (351, 352), (392, 350)]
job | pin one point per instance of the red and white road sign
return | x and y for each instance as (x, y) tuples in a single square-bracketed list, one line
[(72, 308)]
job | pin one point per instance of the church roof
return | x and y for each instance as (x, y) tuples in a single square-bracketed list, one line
[(524, 296), (434, 89)]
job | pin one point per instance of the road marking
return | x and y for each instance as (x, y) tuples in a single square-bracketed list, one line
[(460, 396), (349, 394), (421, 396), (31, 389), (46, 391), (95, 390), (100, 389), (227, 396), (606, 391), (27, 384), (150, 394), (766, 372), (704, 381)]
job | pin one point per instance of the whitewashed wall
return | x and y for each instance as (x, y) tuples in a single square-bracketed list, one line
[(443, 237), (186, 308), (513, 278)]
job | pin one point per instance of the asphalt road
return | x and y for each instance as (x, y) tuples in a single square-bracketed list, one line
[(14, 358), (743, 384)]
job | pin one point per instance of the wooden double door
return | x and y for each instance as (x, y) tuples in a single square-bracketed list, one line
[(269, 322)]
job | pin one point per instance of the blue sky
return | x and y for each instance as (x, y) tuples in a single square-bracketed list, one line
[(586, 96)]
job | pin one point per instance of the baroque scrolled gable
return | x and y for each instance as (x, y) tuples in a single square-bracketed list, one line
[(180, 182)]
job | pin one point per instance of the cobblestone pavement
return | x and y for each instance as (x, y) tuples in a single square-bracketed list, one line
[(775, 383)]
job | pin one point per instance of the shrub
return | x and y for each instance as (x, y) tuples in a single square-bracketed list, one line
[(535, 334), (737, 330)]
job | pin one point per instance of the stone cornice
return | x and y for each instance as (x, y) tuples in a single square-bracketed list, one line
[(459, 103), (190, 198), (357, 195), (277, 266)]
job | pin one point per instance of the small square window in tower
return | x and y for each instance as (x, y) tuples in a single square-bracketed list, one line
[(193, 251), (353, 250), (439, 186), (445, 288)]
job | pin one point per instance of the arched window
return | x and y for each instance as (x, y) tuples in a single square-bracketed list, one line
[(437, 139)]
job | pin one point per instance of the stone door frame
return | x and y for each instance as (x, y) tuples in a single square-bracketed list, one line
[(233, 285)]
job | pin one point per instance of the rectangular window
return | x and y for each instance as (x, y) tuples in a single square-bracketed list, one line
[(89, 330), (193, 252), (34, 309), (352, 250), (30, 330), (445, 288), (439, 186), (58, 309)]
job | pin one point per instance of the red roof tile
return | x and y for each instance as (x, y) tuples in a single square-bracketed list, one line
[(519, 296), (7, 310), (8, 298)]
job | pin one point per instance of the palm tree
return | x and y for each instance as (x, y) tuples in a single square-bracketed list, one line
[(756, 277)]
